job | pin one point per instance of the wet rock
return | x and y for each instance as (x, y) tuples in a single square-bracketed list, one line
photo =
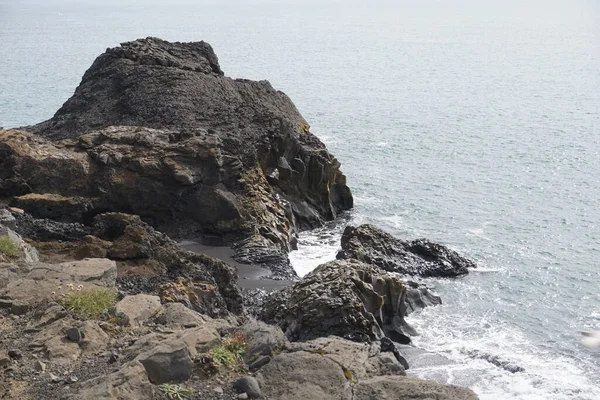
[(46, 230), (388, 346), (248, 385), (419, 257), (138, 308), (349, 299), (168, 362)]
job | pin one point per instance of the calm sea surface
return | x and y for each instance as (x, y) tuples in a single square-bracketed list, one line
[(473, 123)]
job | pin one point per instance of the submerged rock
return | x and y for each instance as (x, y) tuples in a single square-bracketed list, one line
[(420, 257), (346, 298)]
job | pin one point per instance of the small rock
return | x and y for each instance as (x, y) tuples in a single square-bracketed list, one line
[(248, 385), (113, 357), (72, 379), (4, 360), (15, 354), (53, 378), (39, 366), (74, 334), (4, 303), (19, 308), (218, 389), (242, 396), (259, 362)]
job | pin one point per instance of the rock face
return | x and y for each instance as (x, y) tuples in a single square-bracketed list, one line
[(156, 130), (419, 257), (349, 299)]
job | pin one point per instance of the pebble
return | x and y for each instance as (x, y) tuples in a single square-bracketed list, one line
[(74, 334), (15, 354), (71, 379), (243, 396), (39, 366), (54, 378), (218, 389)]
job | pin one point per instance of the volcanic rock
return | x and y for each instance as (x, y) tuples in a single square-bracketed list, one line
[(420, 257)]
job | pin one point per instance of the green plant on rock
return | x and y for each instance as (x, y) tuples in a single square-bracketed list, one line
[(87, 302), (230, 352), (175, 392), (8, 247)]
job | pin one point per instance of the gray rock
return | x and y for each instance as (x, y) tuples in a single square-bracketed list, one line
[(420, 257), (262, 339), (248, 385), (139, 308), (39, 366), (19, 308), (168, 362), (15, 354), (392, 388), (302, 375), (345, 298), (74, 335), (94, 338), (130, 382), (242, 396), (5, 360)]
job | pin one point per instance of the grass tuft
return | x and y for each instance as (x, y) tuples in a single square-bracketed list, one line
[(89, 302), (230, 352), (8, 247), (175, 392)]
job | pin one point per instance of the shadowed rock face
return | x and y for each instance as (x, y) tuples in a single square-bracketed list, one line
[(345, 298), (419, 257), (156, 129)]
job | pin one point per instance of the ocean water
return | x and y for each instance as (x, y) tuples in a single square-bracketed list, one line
[(472, 123)]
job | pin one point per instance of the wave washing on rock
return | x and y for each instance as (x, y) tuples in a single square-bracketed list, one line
[(97, 302)]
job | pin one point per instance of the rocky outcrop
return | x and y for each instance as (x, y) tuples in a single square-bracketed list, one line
[(156, 129), (420, 257), (349, 299)]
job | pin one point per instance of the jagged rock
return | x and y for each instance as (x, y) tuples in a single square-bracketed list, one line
[(139, 308), (7, 219), (185, 273), (346, 298), (419, 257), (46, 230), (168, 137), (248, 385), (168, 362), (130, 382), (389, 388), (418, 296), (27, 254)]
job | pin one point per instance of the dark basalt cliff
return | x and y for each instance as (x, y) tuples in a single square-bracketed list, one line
[(156, 129)]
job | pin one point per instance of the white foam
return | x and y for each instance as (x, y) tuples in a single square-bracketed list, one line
[(485, 351)]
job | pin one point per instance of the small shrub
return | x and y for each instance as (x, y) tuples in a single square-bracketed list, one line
[(230, 352), (8, 247), (89, 302), (175, 392)]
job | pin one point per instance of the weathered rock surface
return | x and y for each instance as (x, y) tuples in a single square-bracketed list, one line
[(420, 257), (346, 298), (139, 308), (37, 282), (155, 129), (391, 388), (130, 382)]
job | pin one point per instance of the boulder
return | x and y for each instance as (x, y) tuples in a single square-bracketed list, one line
[(139, 308), (302, 375), (248, 385), (94, 339), (345, 298), (168, 137), (130, 382), (169, 362), (176, 315), (419, 257)]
